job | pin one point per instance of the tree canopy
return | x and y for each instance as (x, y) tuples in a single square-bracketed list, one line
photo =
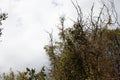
[(89, 50), (3, 16)]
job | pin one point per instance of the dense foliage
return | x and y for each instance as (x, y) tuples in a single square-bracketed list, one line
[(89, 50)]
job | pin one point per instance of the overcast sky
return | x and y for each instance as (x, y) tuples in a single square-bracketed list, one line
[(24, 34)]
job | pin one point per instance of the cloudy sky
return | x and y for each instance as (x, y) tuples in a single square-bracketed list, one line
[(24, 34)]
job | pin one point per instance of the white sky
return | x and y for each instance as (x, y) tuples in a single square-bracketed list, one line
[(24, 34)]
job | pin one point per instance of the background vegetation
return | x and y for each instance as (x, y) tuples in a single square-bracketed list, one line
[(89, 50)]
